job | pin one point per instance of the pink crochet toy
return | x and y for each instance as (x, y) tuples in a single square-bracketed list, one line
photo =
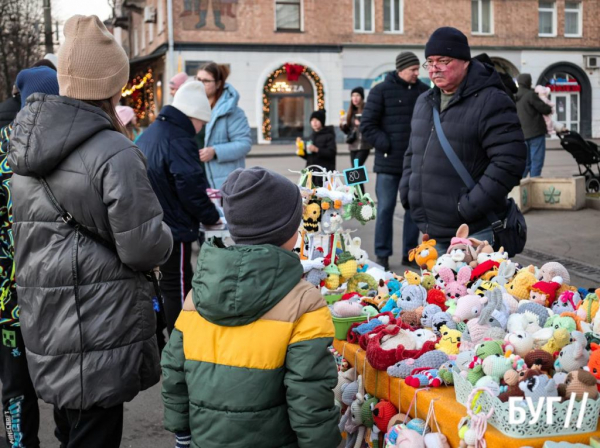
[(468, 307), (456, 288)]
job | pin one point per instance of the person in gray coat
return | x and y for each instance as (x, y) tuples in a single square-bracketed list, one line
[(87, 314)]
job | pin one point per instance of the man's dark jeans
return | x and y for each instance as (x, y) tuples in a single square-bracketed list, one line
[(387, 188)]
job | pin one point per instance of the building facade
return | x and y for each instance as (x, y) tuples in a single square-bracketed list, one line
[(289, 57)]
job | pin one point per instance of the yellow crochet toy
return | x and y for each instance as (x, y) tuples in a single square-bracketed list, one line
[(450, 341), (588, 307), (560, 339), (520, 286), (425, 255), (412, 277)]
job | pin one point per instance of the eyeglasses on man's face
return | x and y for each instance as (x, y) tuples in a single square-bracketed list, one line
[(440, 64), (205, 81)]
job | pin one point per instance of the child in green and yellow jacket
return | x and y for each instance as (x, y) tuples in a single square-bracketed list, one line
[(247, 364)]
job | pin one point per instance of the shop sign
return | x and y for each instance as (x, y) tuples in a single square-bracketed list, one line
[(284, 87)]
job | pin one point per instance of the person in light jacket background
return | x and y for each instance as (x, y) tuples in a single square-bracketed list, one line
[(227, 138)]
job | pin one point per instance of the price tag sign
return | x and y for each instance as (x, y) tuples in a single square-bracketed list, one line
[(357, 175)]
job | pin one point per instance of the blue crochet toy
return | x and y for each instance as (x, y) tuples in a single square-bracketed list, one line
[(389, 305), (366, 327), (394, 286)]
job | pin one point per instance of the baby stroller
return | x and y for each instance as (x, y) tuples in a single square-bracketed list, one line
[(586, 155)]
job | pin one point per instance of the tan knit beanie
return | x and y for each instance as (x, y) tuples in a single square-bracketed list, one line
[(91, 64)]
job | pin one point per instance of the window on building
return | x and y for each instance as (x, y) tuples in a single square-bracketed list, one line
[(288, 15), (547, 18), (363, 16), (481, 17), (393, 16), (573, 18), (136, 49), (150, 32), (143, 32), (160, 15)]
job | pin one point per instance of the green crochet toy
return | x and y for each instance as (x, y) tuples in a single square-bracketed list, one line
[(556, 322), (489, 348)]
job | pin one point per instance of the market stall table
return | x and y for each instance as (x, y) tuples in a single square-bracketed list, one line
[(449, 412)]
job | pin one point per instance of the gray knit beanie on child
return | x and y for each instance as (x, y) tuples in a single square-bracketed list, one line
[(261, 207)]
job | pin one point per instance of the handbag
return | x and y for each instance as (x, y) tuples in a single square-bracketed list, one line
[(152, 276), (510, 232), (352, 136)]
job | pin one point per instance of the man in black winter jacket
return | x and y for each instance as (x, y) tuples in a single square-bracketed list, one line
[(177, 178), (531, 110), (385, 124), (481, 124)]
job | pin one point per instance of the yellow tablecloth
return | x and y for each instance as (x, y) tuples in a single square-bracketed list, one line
[(447, 409)]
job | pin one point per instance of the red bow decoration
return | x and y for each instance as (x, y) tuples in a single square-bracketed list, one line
[(293, 71)]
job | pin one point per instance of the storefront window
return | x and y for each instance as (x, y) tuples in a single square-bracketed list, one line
[(566, 93), (292, 102)]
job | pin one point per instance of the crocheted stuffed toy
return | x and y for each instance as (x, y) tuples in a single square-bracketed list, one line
[(427, 280), (519, 342), (485, 271), (544, 293), (362, 283), (588, 308), (316, 274), (461, 247), (551, 270), (517, 322), (537, 387), (444, 261), (333, 276), (574, 356), (536, 313), (383, 412), (348, 266), (424, 378), (593, 365), (412, 297), (496, 366), (411, 278), (506, 271), (450, 341), (412, 317), (489, 348), (521, 284), (441, 319), (437, 297), (425, 254), (566, 302), (347, 308), (481, 287), (445, 372), (432, 359), (578, 382), (455, 288), (511, 303), (557, 322), (512, 378), (559, 340), (494, 313), (423, 335), (312, 216), (427, 316), (468, 307), (399, 436), (541, 360)]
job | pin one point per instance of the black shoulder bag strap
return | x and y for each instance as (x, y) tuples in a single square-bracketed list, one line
[(68, 219), (497, 224)]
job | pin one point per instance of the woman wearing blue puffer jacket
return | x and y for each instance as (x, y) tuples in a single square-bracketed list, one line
[(227, 135)]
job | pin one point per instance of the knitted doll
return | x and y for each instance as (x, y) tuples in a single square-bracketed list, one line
[(427, 316), (553, 269), (506, 272), (445, 372), (423, 335), (579, 382), (544, 293), (566, 302), (455, 288), (520, 286), (555, 322), (316, 275), (427, 280), (536, 313), (588, 308), (593, 365), (444, 261), (461, 247), (425, 254)]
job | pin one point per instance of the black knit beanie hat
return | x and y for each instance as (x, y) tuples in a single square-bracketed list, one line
[(319, 115), (448, 41), (358, 90)]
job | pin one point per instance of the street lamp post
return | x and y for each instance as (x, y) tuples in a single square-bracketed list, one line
[(48, 27)]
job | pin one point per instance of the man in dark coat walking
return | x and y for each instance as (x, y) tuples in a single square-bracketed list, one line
[(178, 180), (531, 110), (481, 123), (385, 124)]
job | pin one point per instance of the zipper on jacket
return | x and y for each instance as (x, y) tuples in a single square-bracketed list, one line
[(421, 189)]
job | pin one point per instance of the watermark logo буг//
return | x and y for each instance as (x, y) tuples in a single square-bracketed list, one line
[(518, 416)]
